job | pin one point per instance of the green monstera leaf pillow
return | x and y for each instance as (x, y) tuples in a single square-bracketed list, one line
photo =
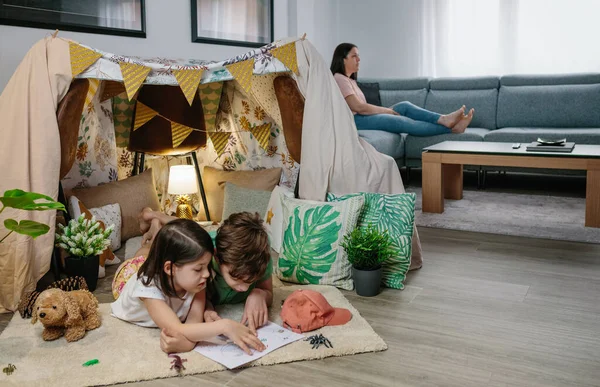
[(396, 214), (312, 232)]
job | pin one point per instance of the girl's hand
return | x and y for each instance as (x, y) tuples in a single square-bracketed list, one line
[(393, 112), (211, 316), (256, 312), (242, 336), (174, 342)]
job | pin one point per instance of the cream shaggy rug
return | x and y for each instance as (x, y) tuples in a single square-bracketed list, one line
[(130, 353)]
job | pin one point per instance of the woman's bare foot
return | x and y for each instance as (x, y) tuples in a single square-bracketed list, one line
[(462, 125), (450, 120)]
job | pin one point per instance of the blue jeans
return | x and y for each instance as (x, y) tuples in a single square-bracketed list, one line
[(412, 120)]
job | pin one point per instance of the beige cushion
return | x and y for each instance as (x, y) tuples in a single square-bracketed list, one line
[(133, 194), (214, 186)]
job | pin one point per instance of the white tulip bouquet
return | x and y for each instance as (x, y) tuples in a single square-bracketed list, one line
[(83, 237)]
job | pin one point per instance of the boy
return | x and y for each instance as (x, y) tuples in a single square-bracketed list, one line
[(242, 266)]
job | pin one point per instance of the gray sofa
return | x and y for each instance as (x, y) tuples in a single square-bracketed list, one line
[(512, 108)]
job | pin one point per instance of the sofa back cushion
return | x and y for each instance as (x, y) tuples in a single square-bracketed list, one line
[(392, 91), (561, 101), (448, 94)]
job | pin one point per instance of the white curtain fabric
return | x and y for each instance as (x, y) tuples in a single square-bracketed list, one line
[(233, 19), (497, 37), (120, 13)]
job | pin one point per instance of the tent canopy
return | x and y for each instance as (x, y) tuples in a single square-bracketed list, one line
[(244, 126)]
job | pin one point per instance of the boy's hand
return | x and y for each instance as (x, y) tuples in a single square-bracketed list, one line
[(173, 342), (243, 337), (211, 316), (256, 312)]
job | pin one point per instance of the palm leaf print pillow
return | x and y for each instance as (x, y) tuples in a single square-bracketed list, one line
[(396, 214), (312, 232)]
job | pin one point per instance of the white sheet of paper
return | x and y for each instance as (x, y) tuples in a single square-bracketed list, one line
[(230, 355)]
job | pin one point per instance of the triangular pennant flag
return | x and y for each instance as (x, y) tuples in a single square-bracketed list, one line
[(143, 114), (179, 133), (242, 72), (287, 55), (219, 140), (133, 77), (210, 96), (92, 90), (262, 133), (81, 58), (188, 81), (111, 89)]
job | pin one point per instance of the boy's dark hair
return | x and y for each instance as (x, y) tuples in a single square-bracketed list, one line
[(180, 241), (243, 244), (337, 62)]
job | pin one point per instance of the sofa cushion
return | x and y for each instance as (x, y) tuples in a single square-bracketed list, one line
[(393, 91), (559, 79), (483, 100), (471, 83), (527, 135), (390, 144), (371, 92), (559, 106), (414, 145)]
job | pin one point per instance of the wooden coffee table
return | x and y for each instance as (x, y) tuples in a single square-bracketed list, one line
[(443, 169)]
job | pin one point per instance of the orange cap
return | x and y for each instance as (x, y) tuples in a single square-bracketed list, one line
[(307, 310)]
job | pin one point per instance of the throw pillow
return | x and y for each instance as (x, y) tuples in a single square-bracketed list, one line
[(274, 216), (312, 232), (240, 199), (214, 186), (109, 215), (371, 92), (396, 215), (132, 194)]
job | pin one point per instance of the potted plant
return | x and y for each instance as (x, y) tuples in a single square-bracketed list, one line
[(29, 201), (367, 249), (84, 240)]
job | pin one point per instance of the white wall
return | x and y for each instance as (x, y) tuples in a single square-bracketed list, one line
[(387, 33), (168, 34)]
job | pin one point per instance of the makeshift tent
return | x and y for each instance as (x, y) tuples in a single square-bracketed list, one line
[(241, 117)]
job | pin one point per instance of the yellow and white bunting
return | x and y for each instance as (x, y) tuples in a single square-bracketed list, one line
[(133, 77), (262, 133), (93, 85), (188, 80), (179, 133), (219, 140), (210, 96), (287, 55), (143, 114), (81, 58), (242, 72)]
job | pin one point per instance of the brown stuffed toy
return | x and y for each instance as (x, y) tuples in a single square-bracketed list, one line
[(66, 313)]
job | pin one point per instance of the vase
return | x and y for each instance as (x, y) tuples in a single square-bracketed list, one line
[(367, 282), (86, 267)]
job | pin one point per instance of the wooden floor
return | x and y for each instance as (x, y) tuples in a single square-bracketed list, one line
[(485, 310)]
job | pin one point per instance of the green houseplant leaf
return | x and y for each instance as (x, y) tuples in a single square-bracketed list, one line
[(22, 200), (308, 244), (26, 227)]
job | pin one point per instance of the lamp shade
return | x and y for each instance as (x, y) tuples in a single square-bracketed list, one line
[(182, 180)]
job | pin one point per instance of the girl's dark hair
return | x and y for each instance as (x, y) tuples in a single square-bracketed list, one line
[(337, 62), (180, 241), (243, 244)]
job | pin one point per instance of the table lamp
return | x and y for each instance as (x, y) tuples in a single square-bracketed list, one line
[(182, 182)]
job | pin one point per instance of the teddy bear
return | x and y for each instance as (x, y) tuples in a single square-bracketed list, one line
[(66, 313)]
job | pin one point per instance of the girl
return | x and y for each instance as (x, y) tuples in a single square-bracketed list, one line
[(404, 117), (168, 290)]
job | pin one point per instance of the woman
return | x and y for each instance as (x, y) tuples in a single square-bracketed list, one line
[(403, 117)]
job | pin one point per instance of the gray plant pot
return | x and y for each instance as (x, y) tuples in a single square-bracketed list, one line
[(367, 282)]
